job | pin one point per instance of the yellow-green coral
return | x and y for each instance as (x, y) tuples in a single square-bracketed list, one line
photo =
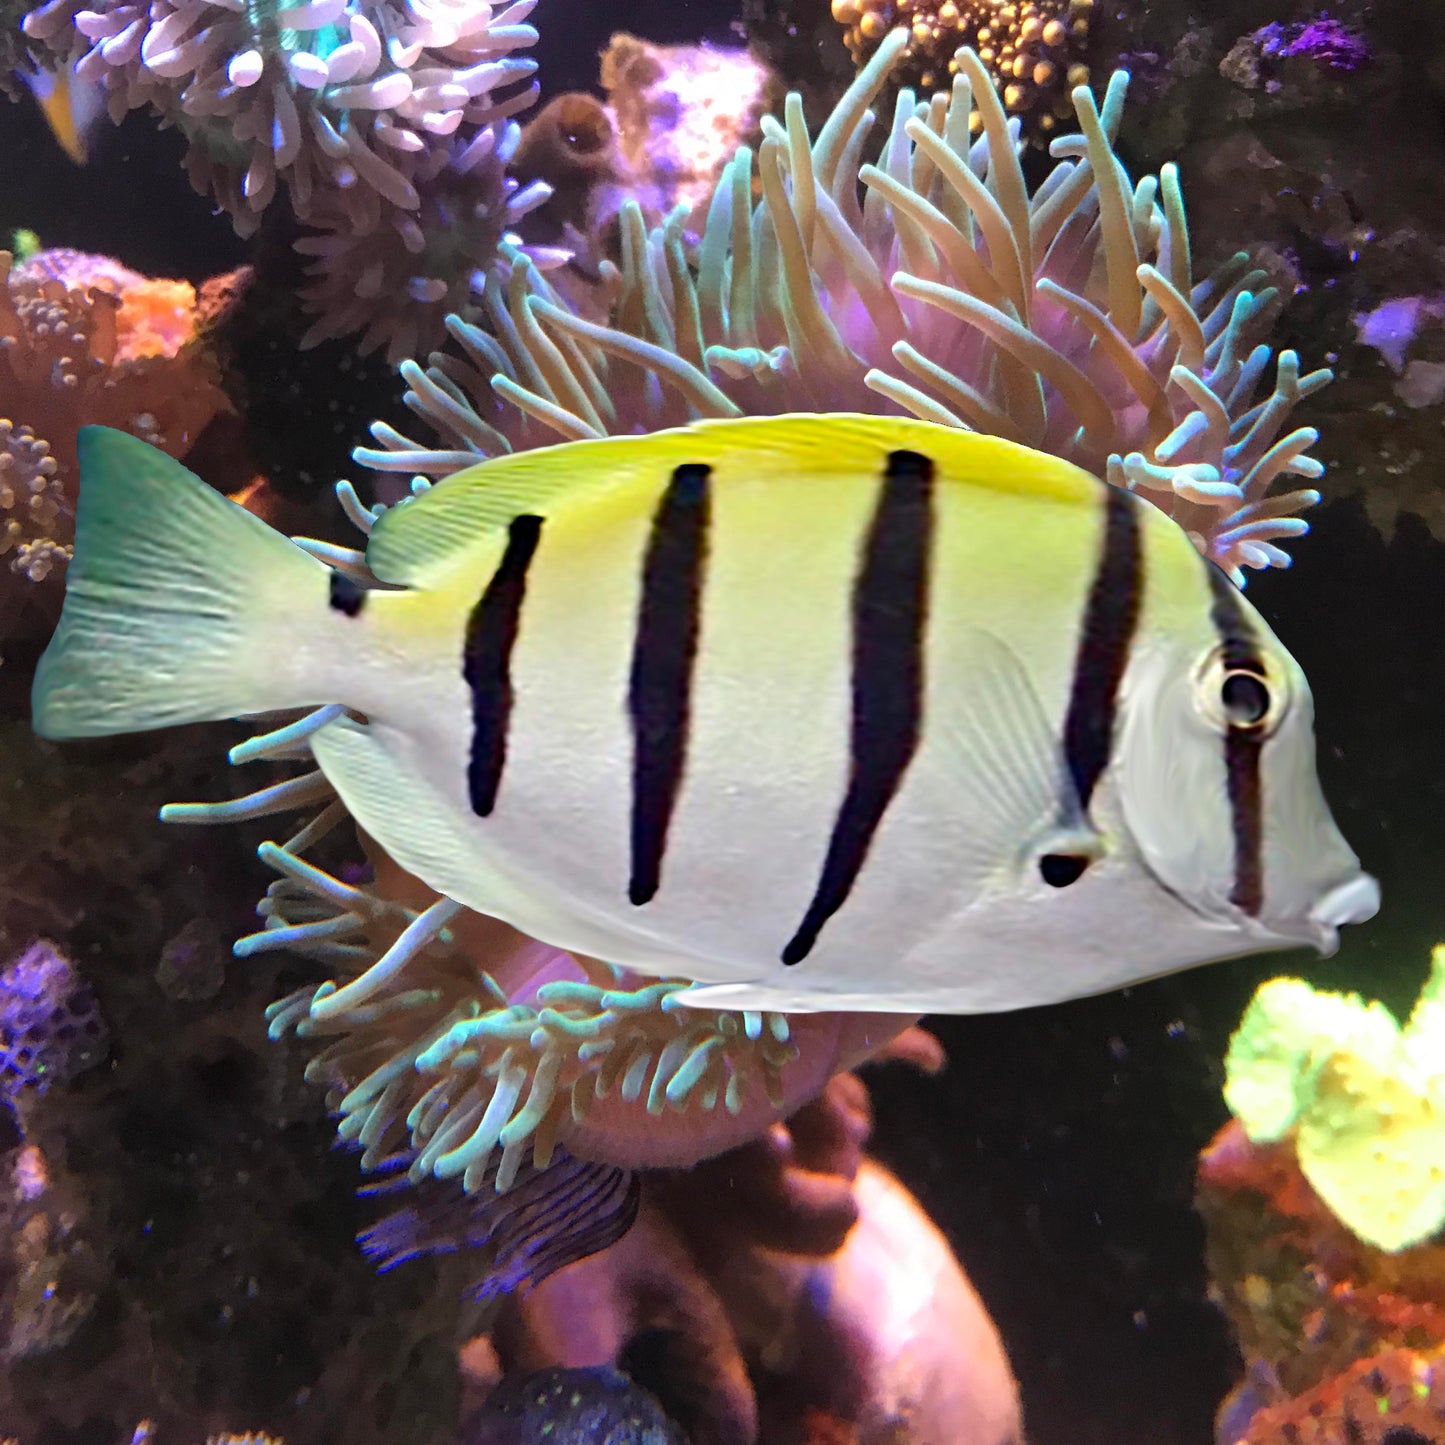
[(1363, 1097)]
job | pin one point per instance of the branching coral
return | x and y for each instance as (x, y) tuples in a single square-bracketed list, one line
[(1033, 48), (83, 340), (387, 122), (1067, 319)]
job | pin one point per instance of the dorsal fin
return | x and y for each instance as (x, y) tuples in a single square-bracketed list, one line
[(412, 540)]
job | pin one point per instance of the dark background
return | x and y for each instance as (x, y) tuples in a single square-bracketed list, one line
[(1058, 1148)]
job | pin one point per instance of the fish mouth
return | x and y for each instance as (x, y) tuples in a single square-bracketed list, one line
[(1355, 900)]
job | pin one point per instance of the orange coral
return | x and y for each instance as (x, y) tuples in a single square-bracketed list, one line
[(85, 340), (1033, 49), (1397, 1398), (1337, 1329)]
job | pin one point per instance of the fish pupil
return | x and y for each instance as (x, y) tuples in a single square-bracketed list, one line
[(1059, 870), (1245, 699)]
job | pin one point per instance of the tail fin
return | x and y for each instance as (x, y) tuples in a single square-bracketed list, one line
[(180, 606)]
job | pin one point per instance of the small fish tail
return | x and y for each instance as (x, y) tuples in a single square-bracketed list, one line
[(180, 606)]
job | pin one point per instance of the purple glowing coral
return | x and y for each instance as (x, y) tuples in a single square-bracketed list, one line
[(1325, 40), (50, 1025)]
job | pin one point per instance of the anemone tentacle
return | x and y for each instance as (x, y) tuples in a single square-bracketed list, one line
[(929, 282), (424, 1050)]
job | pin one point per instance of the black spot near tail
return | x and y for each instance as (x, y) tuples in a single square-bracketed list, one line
[(347, 595)]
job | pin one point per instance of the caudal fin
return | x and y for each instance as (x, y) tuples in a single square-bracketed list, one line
[(180, 606)]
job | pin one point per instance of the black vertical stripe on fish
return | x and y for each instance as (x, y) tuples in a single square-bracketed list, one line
[(487, 658), (890, 614), (1111, 616), (660, 692), (1242, 745)]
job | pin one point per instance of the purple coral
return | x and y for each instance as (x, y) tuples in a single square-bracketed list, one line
[(1325, 40), (50, 1025)]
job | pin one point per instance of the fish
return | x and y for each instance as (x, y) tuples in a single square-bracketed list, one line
[(74, 109), (815, 711)]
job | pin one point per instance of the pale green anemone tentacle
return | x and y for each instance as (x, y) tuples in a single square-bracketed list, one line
[(793, 298), (420, 1041)]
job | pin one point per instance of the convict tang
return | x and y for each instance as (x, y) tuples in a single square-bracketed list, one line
[(818, 711)]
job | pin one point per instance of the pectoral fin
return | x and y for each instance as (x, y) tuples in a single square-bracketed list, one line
[(1017, 796)]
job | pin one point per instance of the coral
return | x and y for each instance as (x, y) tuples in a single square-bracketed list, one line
[(32, 500), (1257, 61), (192, 1192), (571, 1407), (1033, 49), (681, 112), (83, 340), (50, 1025), (1397, 1398), (386, 122), (1362, 1098), (50, 1275), (1067, 319), (1307, 1299), (1324, 40), (820, 1299)]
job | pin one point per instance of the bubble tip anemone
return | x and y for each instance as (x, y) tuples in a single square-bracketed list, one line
[(929, 282)]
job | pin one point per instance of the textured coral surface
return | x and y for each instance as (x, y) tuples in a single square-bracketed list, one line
[(85, 341), (1313, 1307)]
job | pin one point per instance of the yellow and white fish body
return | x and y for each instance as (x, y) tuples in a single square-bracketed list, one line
[(821, 712)]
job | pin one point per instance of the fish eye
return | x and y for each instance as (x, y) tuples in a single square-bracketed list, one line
[(1059, 870), (1249, 696), (1245, 699)]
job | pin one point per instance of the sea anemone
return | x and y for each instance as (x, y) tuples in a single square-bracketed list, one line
[(458, 1051), (376, 115), (930, 282)]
